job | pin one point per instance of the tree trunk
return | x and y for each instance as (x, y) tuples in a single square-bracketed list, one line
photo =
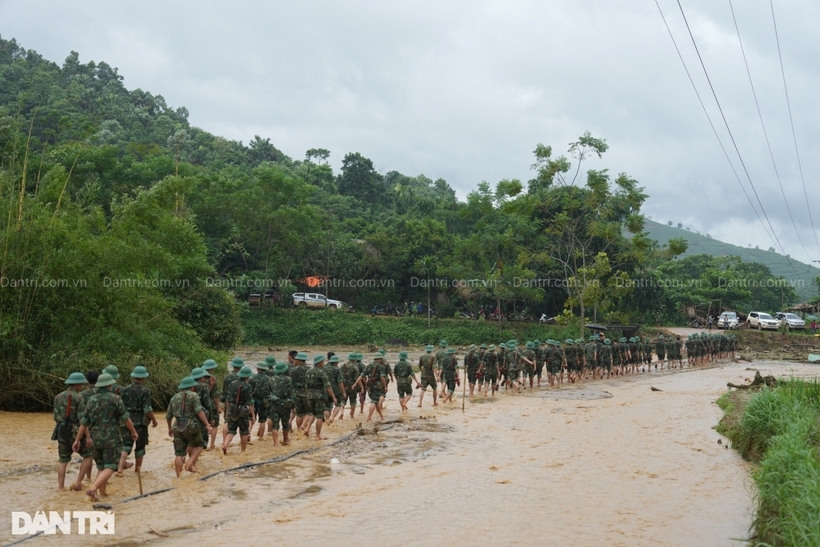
[(428, 305)]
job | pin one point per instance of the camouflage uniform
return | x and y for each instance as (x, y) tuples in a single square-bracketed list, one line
[(215, 396), (240, 399), (449, 369), (527, 369), (589, 354), (426, 371), (605, 356), (281, 397), (137, 401), (490, 367), (350, 373), (471, 364), (660, 349), (317, 383), (512, 358), (300, 400), (66, 413), (229, 378), (372, 377), (204, 393), (403, 372), (104, 413), (260, 382), (184, 407), (335, 377)]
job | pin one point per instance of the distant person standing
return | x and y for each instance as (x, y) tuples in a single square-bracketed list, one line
[(709, 323), (814, 326)]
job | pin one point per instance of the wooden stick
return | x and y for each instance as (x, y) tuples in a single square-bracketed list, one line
[(464, 390), (139, 479)]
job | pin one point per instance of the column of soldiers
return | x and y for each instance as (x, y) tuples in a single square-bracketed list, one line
[(104, 422)]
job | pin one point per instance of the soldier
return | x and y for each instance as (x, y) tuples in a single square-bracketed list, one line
[(570, 356), (104, 413), (81, 399), (281, 397), (489, 370), (590, 355), (405, 377), (240, 411), (449, 374), (674, 349), (539, 360), (372, 379), (647, 353), (115, 374), (501, 361), (216, 403), (633, 354), (361, 388), (350, 373), (301, 406), (660, 350), (606, 357), (439, 357), (236, 364), (428, 375), (471, 366), (318, 387), (68, 423), (260, 382), (513, 361), (185, 408), (528, 363), (137, 401), (337, 384), (203, 391)]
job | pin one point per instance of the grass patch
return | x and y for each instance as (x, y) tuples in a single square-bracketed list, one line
[(780, 429)]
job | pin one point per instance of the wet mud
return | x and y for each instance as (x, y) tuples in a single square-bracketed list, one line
[(609, 462)]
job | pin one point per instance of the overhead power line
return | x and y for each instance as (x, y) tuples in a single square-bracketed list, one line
[(711, 124), (765, 133), (791, 120)]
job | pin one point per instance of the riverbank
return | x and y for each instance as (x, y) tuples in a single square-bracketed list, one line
[(609, 462), (779, 428)]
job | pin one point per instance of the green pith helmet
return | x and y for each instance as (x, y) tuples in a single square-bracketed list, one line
[(593, 338), (483, 346), (579, 341), (502, 345), (187, 383), (318, 358), (536, 342), (245, 372), (76, 378), (359, 356), (262, 365), (450, 351), (622, 340), (528, 345), (333, 359), (472, 347), (429, 348), (378, 356), (301, 356), (660, 337), (351, 356), (647, 340), (443, 343), (112, 370), (237, 362), (210, 364), (491, 348), (402, 355), (280, 368), (568, 341), (198, 373), (382, 351), (139, 372), (105, 380), (270, 360), (607, 341)]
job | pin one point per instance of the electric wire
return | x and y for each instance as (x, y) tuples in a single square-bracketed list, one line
[(732, 137), (791, 120), (765, 133), (711, 124)]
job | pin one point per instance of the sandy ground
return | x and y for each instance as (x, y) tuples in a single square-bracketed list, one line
[(609, 462)]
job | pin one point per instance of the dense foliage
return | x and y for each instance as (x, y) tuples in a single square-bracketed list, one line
[(155, 229)]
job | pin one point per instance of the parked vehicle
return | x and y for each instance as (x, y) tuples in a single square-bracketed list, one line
[(760, 320), (728, 320), (315, 301), (790, 320)]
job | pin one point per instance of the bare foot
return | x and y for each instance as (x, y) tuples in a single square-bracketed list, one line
[(224, 450), (320, 439)]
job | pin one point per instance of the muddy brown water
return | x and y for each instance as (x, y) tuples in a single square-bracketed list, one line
[(609, 462)]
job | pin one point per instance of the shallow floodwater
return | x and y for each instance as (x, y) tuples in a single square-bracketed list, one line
[(610, 462)]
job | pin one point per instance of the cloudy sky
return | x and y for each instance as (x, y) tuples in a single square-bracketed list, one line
[(465, 89)]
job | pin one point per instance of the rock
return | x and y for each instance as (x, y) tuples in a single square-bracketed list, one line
[(720, 441), (653, 388)]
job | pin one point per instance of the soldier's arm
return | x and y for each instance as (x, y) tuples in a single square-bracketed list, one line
[(76, 445)]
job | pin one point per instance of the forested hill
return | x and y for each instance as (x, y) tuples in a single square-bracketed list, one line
[(705, 244)]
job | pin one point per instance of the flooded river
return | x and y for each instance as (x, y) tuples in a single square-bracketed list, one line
[(609, 462)]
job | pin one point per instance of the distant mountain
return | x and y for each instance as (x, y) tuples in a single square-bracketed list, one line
[(802, 275)]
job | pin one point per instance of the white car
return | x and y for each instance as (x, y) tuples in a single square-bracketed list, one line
[(790, 320), (760, 320), (728, 320), (315, 300)]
